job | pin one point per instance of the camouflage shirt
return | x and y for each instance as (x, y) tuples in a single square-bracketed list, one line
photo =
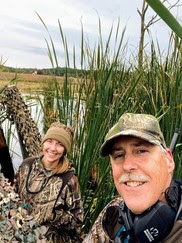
[(106, 227), (60, 211)]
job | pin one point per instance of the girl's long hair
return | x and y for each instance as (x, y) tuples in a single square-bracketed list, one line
[(62, 167)]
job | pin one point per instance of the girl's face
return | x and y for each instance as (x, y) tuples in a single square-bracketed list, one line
[(53, 150)]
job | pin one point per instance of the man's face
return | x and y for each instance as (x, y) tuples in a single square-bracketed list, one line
[(141, 171)]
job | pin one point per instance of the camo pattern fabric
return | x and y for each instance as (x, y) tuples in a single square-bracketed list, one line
[(42, 194), (143, 126), (176, 233), (18, 113), (98, 233)]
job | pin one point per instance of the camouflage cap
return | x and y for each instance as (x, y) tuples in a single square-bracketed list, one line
[(142, 126)]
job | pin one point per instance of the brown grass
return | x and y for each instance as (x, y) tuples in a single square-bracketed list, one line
[(27, 82)]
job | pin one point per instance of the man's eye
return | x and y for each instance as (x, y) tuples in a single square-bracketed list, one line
[(118, 155), (142, 151)]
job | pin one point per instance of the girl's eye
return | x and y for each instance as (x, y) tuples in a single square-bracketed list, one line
[(60, 144)]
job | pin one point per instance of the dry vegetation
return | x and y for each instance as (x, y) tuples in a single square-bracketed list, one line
[(26, 82)]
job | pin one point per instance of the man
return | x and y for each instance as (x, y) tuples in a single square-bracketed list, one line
[(149, 208)]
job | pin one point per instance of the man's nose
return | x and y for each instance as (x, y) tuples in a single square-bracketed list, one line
[(129, 163)]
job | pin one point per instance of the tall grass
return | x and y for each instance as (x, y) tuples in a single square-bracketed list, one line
[(108, 88), (166, 15)]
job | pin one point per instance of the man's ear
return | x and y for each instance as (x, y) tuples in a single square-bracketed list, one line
[(170, 160)]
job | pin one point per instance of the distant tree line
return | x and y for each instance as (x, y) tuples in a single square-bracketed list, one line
[(58, 71)]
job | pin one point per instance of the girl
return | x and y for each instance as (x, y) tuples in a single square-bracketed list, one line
[(50, 190)]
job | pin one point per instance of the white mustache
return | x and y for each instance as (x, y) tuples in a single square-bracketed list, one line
[(132, 177)]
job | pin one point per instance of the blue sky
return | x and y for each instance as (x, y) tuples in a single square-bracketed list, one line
[(22, 41)]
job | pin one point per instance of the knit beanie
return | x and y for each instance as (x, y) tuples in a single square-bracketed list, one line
[(61, 133)]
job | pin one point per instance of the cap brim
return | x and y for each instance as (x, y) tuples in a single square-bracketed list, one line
[(107, 145)]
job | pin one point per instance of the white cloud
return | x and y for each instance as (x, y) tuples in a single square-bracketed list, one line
[(22, 33)]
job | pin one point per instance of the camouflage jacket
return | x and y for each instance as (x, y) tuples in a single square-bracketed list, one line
[(60, 211), (106, 226)]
